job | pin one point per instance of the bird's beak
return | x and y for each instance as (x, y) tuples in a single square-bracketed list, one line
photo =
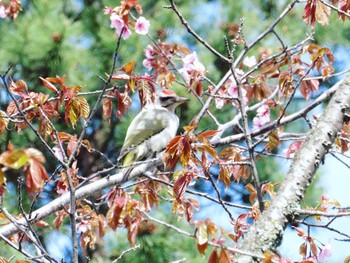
[(180, 100)]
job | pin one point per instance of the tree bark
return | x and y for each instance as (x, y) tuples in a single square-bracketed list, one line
[(266, 234)]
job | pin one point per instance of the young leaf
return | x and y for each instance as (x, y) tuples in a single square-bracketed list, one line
[(18, 87), (114, 213), (84, 107), (14, 159), (202, 237), (274, 140), (322, 13), (224, 176), (181, 185), (49, 85), (35, 177), (224, 256), (3, 121), (107, 108), (214, 257)]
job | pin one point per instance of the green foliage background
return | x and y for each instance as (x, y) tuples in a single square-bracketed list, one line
[(73, 38)]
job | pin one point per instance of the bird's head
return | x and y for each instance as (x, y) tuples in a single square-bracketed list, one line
[(169, 100)]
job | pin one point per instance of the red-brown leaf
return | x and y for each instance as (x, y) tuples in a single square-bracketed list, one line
[(300, 232), (107, 108), (302, 249), (214, 257), (132, 225), (49, 85), (36, 174), (224, 257), (124, 103), (57, 80), (189, 211), (224, 176), (198, 88), (18, 87), (309, 16), (60, 215), (181, 185), (207, 134), (113, 214), (313, 247)]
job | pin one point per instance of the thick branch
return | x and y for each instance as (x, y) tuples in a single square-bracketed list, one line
[(64, 200), (267, 232)]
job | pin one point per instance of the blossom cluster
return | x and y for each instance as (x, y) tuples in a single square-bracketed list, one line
[(3, 12), (192, 68), (231, 92), (262, 117), (10, 10), (150, 57), (122, 26)]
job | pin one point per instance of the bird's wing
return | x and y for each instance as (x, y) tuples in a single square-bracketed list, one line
[(145, 124)]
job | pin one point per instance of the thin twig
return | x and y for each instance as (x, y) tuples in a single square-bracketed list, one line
[(125, 252), (196, 193), (185, 233), (37, 134), (273, 125), (72, 189), (335, 8), (219, 197), (240, 57), (193, 33), (248, 139)]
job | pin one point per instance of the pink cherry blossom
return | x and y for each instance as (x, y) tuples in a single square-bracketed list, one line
[(119, 25), (219, 102), (125, 32), (326, 251), (83, 226), (2, 12), (149, 53), (192, 63), (116, 21), (192, 68), (147, 63), (249, 61), (232, 90), (324, 198), (264, 113), (108, 10), (292, 149), (257, 123), (185, 75), (262, 117), (233, 93), (142, 26)]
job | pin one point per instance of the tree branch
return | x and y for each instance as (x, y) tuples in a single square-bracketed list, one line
[(64, 200), (267, 232)]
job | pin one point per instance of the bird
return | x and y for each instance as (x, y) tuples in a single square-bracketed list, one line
[(150, 131)]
